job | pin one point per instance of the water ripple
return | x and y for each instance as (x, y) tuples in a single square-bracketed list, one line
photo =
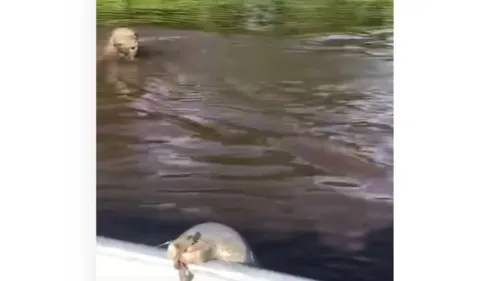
[(242, 131)]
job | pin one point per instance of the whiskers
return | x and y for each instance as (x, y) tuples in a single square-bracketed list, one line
[(164, 244)]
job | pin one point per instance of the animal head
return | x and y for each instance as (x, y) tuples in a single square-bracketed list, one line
[(188, 249), (181, 244), (125, 42)]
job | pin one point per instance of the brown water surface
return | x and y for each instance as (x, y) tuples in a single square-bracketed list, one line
[(288, 140)]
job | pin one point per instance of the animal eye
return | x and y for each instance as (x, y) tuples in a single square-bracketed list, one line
[(133, 48)]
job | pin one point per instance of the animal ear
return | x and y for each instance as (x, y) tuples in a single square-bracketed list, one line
[(196, 237)]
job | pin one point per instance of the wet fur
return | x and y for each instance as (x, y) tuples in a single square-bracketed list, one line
[(122, 44), (216, 241), (114, 59)]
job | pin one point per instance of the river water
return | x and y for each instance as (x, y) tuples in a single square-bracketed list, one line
[(287, 140)]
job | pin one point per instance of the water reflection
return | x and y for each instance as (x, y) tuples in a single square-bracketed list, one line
[(286, 141)]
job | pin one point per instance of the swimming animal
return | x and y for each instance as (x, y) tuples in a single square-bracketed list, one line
[(122, 44), (208, 241)]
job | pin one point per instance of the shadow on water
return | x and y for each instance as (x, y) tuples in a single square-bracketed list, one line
[(287, 140)]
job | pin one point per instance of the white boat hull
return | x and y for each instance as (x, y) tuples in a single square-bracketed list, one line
[(123, 261)]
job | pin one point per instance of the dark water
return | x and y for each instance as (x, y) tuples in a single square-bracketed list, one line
[(289, 141)]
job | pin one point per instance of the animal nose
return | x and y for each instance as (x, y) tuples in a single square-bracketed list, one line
[(124, 52)]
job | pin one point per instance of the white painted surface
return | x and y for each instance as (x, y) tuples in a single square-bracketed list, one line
[(122, 261)]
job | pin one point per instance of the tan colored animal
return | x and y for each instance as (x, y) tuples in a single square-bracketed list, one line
[(121, 46), (205, 242), (122, 43)]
